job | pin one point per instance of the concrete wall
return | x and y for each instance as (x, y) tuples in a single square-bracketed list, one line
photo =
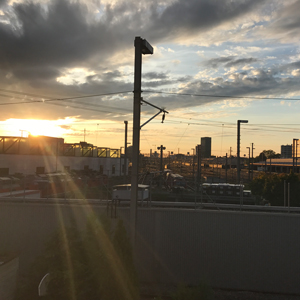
[(8, 278), (229, 249), (232, 250)]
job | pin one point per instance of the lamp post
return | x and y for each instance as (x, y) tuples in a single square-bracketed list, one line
[(249, 164), (141, 47), (238, 149)]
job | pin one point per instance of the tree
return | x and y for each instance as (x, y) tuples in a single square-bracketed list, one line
[(271, 188), (265, 154), (94, 264)]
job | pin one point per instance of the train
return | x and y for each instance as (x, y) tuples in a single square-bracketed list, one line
[(225, 189), (174, 181)]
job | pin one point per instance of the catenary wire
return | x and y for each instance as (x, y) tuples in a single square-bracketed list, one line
[(161, 92), (222, 96), (65, 99), (68, 100)]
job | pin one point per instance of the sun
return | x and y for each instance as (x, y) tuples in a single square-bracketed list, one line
[(25, 127)]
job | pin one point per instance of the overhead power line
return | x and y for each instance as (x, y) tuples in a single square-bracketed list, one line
[(223, 96), (68, 99), (62, 99)]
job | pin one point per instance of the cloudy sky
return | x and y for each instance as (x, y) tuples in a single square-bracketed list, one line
[(214, 62)]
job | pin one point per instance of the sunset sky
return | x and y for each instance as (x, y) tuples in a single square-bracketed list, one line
[(214, 62)]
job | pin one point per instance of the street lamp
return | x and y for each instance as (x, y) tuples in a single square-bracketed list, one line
[(141, 47), (238, 149)]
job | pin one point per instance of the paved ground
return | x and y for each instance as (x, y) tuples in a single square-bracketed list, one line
[(237, 295)]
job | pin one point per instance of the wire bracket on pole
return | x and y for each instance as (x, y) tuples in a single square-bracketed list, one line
[(161, 110)]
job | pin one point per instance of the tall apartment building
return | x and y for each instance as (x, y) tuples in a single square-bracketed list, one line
[(296, 148), (206, 147), (286, 151)]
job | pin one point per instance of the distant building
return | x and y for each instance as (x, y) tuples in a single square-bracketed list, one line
[(43, 154), (296, 148), (278, 165), (286, 151), (206, 147)]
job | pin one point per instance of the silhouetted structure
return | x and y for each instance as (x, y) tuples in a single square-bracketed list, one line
[(286, 151), (205, 147)]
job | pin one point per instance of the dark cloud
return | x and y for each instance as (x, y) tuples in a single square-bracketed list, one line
[(163, 79), (288, 19), (157, 83), (216, 62), (189, 16), (68, 34), (265, 83), (228, 62), (59, 37), (36, 73), (111, 75), (184, 79), (285, 24), (155, 75), (40, 41), (241, 62)]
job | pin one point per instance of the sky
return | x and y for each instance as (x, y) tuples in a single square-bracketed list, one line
[(67, 70)]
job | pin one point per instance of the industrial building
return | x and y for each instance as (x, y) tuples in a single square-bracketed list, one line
[(205, 147), (43, 154)]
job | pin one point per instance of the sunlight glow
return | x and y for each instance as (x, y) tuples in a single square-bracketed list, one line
[(25, 127)]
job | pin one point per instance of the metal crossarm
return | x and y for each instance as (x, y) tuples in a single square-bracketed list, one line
[(160, 111)]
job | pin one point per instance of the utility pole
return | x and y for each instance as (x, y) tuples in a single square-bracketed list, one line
[(121, 161), (249, 164), (161, 148), (125, 150), (226, 168), (198, 152), (295, 154), (238, 149), (252, 160), (193, 162), (265, 164), (141, 47), (284, 193)]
